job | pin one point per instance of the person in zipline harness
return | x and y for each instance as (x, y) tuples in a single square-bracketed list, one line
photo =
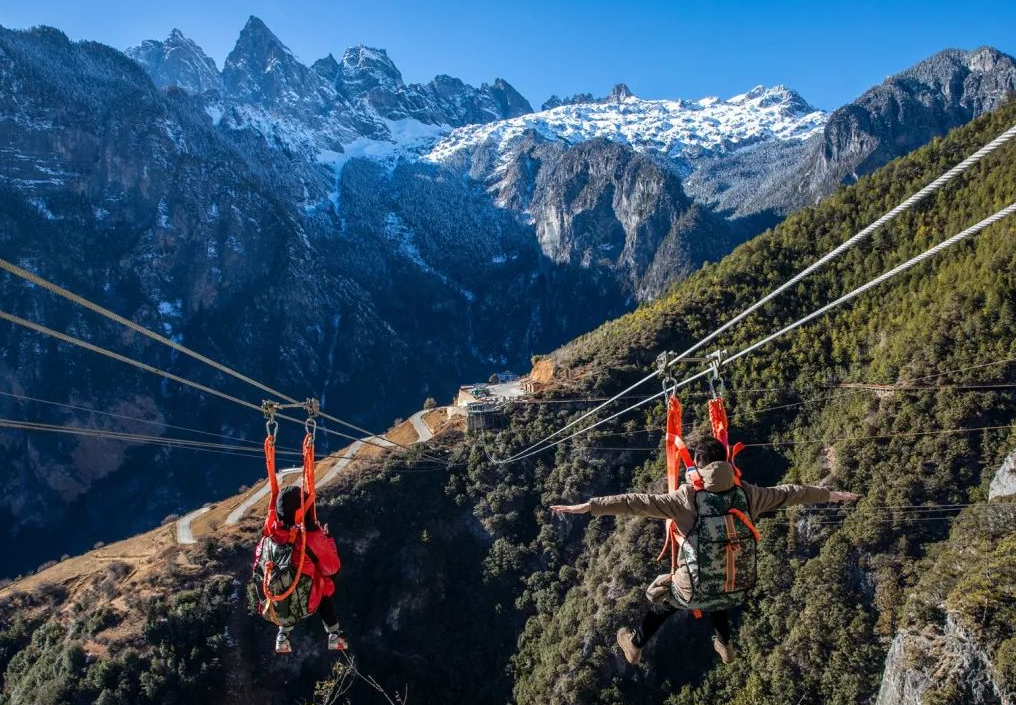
[(673, 592), (321, 564)]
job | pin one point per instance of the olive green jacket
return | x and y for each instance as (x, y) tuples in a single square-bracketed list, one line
[(679, 506)]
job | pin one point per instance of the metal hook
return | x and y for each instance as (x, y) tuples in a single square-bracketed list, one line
[(271, 425), (715, 362), (313, 408)]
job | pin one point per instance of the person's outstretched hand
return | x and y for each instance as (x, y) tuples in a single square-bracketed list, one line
[(570, 508), (843, 497)]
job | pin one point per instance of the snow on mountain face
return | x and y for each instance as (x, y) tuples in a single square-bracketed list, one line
[(327, 112), (178, 61), (364, 68), (678, 129)]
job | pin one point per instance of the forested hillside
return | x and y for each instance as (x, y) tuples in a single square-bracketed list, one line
[(461, 587)]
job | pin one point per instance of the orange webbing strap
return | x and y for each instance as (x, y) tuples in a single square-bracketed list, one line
[(718, 419), (721, 432), (674, 412), (677, 453), (747, 522), (730, 568), (309, 506), (306, 508), (296, 580), (273, 481)]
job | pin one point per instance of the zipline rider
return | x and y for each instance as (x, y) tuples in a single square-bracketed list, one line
[(689, 586)]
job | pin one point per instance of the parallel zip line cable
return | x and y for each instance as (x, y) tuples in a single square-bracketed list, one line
[(826, 441), (17, 320), (822, 261), (23, 397), (137, 438), (930, 252), (35, 279), (860, 387)]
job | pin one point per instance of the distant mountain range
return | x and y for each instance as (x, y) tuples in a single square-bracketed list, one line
[(338, 232)]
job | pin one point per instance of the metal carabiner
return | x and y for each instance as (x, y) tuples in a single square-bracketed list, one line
[(715, 361), (268, 408), (663, 361), (313, 408)]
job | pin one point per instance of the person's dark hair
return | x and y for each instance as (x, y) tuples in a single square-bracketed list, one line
[(709, 450), (288, 502)]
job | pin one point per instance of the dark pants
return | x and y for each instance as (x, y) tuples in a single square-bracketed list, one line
[(328, 615), (659, 612)]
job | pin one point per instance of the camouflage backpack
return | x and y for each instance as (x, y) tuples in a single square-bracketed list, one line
[(294, 607), (720, 552)]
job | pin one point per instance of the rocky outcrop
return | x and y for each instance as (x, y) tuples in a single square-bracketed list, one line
[(601, 205), (907, 111), (939, 665), (1003, 484), (179, 62)]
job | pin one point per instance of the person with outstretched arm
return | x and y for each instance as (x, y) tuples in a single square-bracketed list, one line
[(672, 592)]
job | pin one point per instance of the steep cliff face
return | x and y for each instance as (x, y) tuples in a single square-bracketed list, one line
[(601, 206), (941, 664)]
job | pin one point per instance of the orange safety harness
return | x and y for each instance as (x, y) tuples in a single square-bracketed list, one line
[(677, 454), (307, 509)]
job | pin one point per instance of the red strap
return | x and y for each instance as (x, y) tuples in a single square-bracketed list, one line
[(677, 453), (674, 412), (718, 419), (273, 481), (308, 507), (721, 432), (747, 522)]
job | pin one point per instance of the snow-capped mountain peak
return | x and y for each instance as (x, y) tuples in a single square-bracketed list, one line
[(364, 68), (678, 129), (178, 61)]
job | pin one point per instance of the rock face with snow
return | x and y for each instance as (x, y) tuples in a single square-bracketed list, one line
[(682, 130), (763, 153), (906, 111), (1003, 484), (601, 205), (327, 106), (178, 61)]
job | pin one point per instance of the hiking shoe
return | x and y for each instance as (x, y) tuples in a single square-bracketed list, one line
[(726, 651), (282, 645), (337, 642), (626, 640)]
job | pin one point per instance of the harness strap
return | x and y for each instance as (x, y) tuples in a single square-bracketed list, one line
[(307, 508), (273, 482), (677, 453), (309, 505), (747, 522), (721, 432), (730, 568)]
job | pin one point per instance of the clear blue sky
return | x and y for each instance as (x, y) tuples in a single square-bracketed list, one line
[(829, 50)]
